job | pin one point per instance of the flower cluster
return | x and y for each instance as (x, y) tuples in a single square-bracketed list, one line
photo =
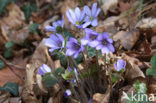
[(99, 41), (84, 18), (70, 46)]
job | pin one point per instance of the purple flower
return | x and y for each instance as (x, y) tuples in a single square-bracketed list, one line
[(91, 17), (119, 65), (44, 69), (67, 93), (105, 43), (76, 17), (90, 38), (55, 42), (69, 69), (90, 100), (56, 25), (73, 47)]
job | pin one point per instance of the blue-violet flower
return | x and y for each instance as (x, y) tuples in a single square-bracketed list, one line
[(44, 69), (73, 47), (105, 43), (55, 42), (56, 25), (67, 93), (120, 64), (91, 17), (90, 38), (76, 17)]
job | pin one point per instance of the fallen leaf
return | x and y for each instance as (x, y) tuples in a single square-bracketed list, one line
[(6, 75), (102, 98), (108, 4), (146, 23), (11, 26), (127, 38), (132, 70)]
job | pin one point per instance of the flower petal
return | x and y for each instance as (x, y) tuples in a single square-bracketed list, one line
[(110, 40), (105, 35), (100, 37), (76, 55), (50, 28), (82, 16), (46, 68), (94, 22), (73, 15), (77, 13), (84, 41), (50, 43), (93, 43), (73, 40), (110, 47), (94, 8), (98, 47), (105, 50), (86, 24), (97, 13), (70, 18), (60, 37), (70, 52), (55, 24), (87, 10)]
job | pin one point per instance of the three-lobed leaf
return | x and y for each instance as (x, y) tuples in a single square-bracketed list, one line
[(49, 80), (2, 64), (28, 9), (10, 87), (152, 71)]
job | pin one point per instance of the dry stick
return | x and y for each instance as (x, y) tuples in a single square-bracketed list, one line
[(3, 59), (86, 65), (98, 69)]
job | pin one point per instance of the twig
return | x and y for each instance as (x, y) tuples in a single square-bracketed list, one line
[(3, 59)]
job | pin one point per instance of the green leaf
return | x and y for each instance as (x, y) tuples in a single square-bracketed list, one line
[(9, 44), (8, 53), (10, 87), (153, 62), (140, 96), (62, 58), (33, 28), (140, 87), (3, 4), (49, 80), (68, 34), (115, 77), (58, 71), (92, 52), (68, 75), (28, 9), (152, 71), (79, 58), (2, 64)]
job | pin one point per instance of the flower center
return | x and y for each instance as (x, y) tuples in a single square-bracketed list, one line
[(60, 44), (76, 46), (59, 29), (104, 42), (91, 18), (77, 22), (93, 37)]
